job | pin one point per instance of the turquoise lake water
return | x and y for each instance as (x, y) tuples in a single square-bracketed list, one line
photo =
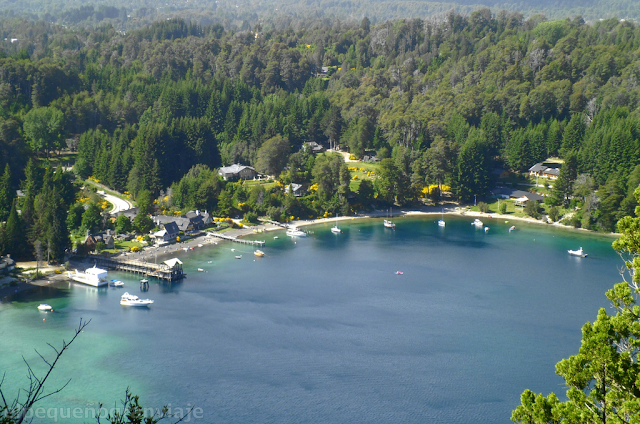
[(322, 330)]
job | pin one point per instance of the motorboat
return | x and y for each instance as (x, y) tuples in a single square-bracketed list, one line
[(441, 223), (578, 252), (295, 232), (209, 262), (200, 269), (239, 257), (513, 227), (336, 230), (486, 229), (199, 245), (92, 276), (275, 237), (399, 273), (477, 223), (132, 300), (116, 283), (45, 307), (233, 250), (389, 224), (259, 253)]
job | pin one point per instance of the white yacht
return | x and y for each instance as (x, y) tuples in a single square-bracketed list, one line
[(132, 300), (259, 253), (441, 223), (389, 224), (477, 223), (116, 283), (294, 232), (45, 307), (579, 252), (92, 276)]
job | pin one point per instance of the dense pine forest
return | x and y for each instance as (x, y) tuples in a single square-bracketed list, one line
[(441, 103)]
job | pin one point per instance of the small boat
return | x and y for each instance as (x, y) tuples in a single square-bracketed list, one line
[(45, 307), (275, 237), (486, 229), (513, 227), (131, 300), (239, 257), (209, 262), (441, 223), (477, 223), (233, 250), (579, 253), (336, 230), (116, 283), (199, 245), (389, 224), (294, 232), (259, 253), (200, 269), (399, 273)]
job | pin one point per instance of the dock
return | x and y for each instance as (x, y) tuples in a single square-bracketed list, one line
[(236, 239), (170, 270)]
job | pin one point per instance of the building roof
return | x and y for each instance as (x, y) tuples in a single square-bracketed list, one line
[(527, 194), (234, 169), (538, 167), (295, 186), (172, 262), (171, 227), (552, 171)]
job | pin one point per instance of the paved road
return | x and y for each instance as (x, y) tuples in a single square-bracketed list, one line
[(119, 204)]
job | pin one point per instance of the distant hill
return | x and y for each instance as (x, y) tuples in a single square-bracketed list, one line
[(129, 14)]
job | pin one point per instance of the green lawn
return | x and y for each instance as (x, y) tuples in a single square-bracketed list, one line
[(264, 183), (354, 185)]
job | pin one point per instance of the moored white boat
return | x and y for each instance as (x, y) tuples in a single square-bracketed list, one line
[(116, 283), (132, 300), (513, 227), (239, 257), (477, 223), (295, 232), (441, 223), (92, 276), (578, 252), (200, 269), (45, 307), (259, 253), (389, 224)]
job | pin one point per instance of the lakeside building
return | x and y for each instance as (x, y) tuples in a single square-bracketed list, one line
[(237, 172), (545, 171), (520, 197)]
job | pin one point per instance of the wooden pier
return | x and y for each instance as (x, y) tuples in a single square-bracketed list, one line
[(161, 271), (236, 239)]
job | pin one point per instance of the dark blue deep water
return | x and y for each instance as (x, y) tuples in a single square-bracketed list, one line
[(323, 331)]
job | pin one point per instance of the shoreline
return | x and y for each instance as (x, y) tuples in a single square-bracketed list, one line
[(163, 253)]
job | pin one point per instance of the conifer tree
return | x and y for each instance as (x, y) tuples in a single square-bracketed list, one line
[(5, 193)]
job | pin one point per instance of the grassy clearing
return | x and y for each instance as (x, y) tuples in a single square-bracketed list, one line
[(266, 184), (362, 171)]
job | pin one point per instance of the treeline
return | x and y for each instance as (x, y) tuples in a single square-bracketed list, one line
[(440, 102), (243, 14)]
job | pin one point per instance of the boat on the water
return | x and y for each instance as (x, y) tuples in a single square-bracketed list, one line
[(259, 253), (93, 276), (578, 252), (441, 223), (132, 300), (144, 281), (295, 232), (275, 237), (116, 283), (399, 273), (513, 227), (239, 257), (486, 229), (477, 223), (200, 269), (45, 307), (336, 228), (389, 224)]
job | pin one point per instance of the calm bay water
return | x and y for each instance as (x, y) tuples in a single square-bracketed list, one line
[(322, 330)]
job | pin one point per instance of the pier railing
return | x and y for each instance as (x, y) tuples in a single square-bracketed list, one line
[(147, 269), (236, 239)]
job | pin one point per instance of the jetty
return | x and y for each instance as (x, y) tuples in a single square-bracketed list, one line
[(170, 270), (236, 239)]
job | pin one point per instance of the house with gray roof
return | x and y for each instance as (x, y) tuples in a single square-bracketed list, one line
[(237, 172)]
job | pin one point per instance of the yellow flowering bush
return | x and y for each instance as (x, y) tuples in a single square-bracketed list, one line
[(351, 157), (355, 177), (314, 187), (134, 249)]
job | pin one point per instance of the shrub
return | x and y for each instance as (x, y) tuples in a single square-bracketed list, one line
[(554, 213), (483, 207), (251, 217), (503, 208), (532, 209)]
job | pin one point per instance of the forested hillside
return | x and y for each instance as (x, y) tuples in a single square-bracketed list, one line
[(440, 102), (242, 14)]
